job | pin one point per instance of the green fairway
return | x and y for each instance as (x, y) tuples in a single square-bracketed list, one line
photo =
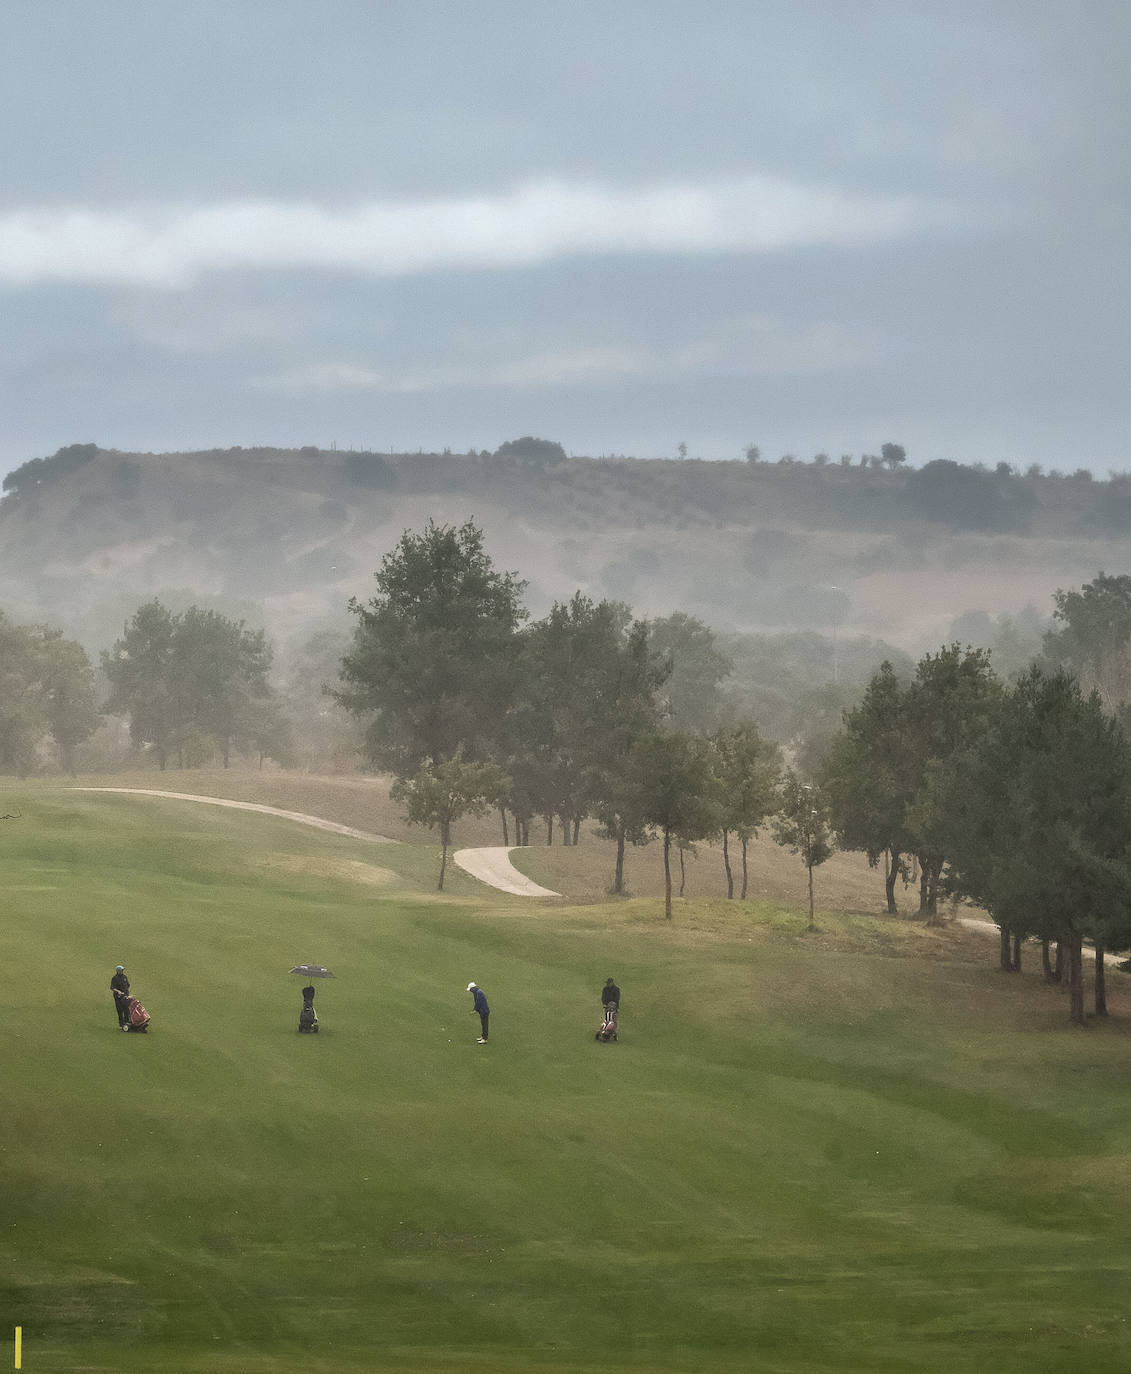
[(862, 1151)]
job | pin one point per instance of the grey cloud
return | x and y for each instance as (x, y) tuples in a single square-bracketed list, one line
[(537, 222)]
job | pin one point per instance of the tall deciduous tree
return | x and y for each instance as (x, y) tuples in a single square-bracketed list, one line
[(876, 770), (948, 707), (746, 769), (568, 668), (1094, 638), (433, 657), (678, 792), (69, 698), (631, 712), (443, 790), (696, 670), (802, 826), (221, 669), (143, 685), (46, 690), (1037, 820), (189, 682), (870, 776)]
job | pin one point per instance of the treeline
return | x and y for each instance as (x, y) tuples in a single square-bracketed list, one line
[(563, 719), (192, 685), (48, 698), (1016, 797), (185, 686), (865, 491)]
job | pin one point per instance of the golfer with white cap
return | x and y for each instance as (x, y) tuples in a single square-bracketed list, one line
[(481, 1007), (120, 987)]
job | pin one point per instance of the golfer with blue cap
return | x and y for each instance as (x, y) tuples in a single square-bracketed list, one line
[(481, 1007), (120, 987)]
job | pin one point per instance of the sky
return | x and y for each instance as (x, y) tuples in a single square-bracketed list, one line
[(813, 226)]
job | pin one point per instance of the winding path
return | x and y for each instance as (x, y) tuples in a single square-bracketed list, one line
[(493, 867), (316, 821)]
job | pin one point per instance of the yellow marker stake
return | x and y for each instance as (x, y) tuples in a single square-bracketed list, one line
[(19, 1347)]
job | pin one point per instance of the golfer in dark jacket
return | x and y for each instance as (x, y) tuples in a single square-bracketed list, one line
[(120, 987), (610, 994), (481, 1007)]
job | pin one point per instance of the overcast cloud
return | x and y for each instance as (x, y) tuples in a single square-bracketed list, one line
[(812, 226)]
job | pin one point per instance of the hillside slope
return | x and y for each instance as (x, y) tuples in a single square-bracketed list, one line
[(289, 535)]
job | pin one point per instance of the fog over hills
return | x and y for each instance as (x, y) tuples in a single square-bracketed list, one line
[(284, 537)]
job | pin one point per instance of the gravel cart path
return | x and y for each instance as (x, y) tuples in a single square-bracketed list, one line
[(493, 867), (316, 821)]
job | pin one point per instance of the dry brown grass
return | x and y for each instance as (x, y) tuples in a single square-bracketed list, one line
[(585, 873)]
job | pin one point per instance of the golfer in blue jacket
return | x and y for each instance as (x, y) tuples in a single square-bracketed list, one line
[(482, 1008)]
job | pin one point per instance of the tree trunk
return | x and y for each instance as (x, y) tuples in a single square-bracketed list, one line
[(445, 837), (1005, 961), (1101, 982), (1059, 971), (1016, 963), (550, 829), (726, 866), (565, 828), (1046, 962), (934, 872), (506, 836), (682, 872), (744, 842), (812, 922), (618, 879), (891, 872), (923, 890), (576, 829), (1076, 979), (667, 873)]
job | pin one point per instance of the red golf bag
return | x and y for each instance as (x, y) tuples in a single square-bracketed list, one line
[(138, 1016)]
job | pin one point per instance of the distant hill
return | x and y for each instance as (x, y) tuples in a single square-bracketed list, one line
[(287, 536)]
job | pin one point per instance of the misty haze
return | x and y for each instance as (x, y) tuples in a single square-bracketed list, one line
[(565, 687)]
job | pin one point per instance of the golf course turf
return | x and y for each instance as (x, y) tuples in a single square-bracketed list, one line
[(864, 1150)]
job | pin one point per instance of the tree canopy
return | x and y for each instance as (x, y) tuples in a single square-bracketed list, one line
[(433, 661), (190, 683)]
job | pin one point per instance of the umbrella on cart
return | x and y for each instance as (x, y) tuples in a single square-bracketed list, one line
[(308, 1021)]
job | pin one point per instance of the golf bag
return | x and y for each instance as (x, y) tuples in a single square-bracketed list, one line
[(609, 1030), (308, 1017), (139, 1017)]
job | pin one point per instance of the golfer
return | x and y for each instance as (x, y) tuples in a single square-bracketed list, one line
[(610, 996), (120, 987), (482, 1008)]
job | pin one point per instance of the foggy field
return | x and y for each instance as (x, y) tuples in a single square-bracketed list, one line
[(860, 1150)]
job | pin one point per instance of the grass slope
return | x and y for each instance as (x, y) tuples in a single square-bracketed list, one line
[(585, 872), (859, 1151)]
